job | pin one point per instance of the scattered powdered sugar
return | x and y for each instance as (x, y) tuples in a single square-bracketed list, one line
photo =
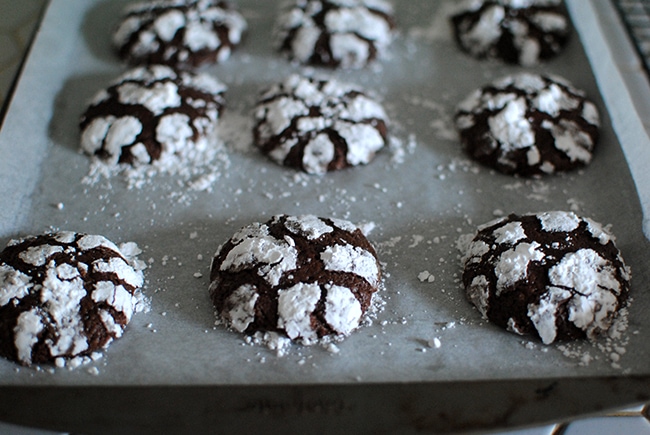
[(202, 171), (198, 163), (438, 29), (610, 348), (400, 148), (366, 227), (426, 276), (272, 340), (442, 119), (435, 343), (197, 168), (283, 345)]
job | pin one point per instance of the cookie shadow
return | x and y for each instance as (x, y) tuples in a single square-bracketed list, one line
[(98, 26), (178, 272), (422, 267), (70, 103)]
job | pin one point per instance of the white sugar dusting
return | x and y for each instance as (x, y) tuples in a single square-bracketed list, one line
[(483, 25), (192, 150), (258, 247), (353, 30), (62, 291), (591, 304), (153, 25), (307, 112), (295, 305), (200, 175), (504, 110)]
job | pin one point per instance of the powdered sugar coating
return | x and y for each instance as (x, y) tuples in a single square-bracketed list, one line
[(295, 306), (528, 124), (323, 281), (559, 278), (523, 32), (65, 295), (512, 265), (151, 112), (342, 310), (319, 125), (271, 256), (336, 33), (559, 221), (240, 305), (179, 33), (310, 226), (351, 259)]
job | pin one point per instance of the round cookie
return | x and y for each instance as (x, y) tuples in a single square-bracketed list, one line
[(348, 34), (554, 275), (150, 113), (530, 125), (178, 33), (522, 32), (319, 125), (301, 276), (65, 296)]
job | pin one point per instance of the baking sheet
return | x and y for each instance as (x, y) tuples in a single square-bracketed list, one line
[(421, 196)]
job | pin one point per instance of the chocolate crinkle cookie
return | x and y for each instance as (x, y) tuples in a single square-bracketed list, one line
[(349, 34), (522, 32), (150, 113), (319, 125), (529, 125), (65, 296), (300, 276), (178, 33), (554, 275)]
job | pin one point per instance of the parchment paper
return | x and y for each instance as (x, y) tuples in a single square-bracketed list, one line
[(421, 195)]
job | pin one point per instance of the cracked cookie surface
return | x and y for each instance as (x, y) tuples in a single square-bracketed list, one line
[(178, 33), (528, 124), (301, 276), (151, 113), (554, 275), (347, 34), (319, 125), (65, 295), (523, 32)]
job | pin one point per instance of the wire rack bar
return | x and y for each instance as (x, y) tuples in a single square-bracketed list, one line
[(636, 17)]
